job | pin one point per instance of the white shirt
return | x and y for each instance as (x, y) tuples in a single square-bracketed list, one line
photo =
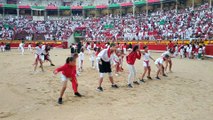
[(181, 51), (92, 55), (81, 56), (190, 49), (146, 56), (38, 50), (204, 48), (88, 47), (176, 49), (165, 53), (200, 50), (43, 48), (21, 45), (104, 55), (115, 58), (159, 61)]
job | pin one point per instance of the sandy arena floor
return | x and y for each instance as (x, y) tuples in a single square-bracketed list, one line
[(187, 94)]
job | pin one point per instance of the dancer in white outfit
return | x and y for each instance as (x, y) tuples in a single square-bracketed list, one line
[(21, 47), (38, 57), (92, 58), (2, 47), (159, 64), (81, 60), (146, 64), (29, 47)]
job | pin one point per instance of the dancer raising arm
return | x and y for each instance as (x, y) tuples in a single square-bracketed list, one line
[(131, 58)]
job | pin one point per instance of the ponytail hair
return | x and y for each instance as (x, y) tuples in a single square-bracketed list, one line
[(166, 56), (69, 59), (135, 48), (145, 47)]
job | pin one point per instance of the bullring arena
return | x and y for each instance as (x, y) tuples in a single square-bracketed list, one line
[(185, 94)]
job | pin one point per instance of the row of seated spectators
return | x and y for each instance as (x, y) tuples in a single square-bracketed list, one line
[(55, 2), (182, 24), (25, 28), (118, 1), (40, 2)]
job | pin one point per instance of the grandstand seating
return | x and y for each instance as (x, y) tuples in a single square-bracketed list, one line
[(161, 24)]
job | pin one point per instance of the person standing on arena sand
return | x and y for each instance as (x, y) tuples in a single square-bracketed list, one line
[(89, 48), (97, 51), (21, 47), (92, 58), (181, 51), (131, 58), (43, 47), (2, 47), (200, 52), (47, 55), (117, 61), (146, 64), (171, 46), (124, 48), (79, 46), (68, 73), (81, 60), (29, 47), (159, 64), (72, 50), (104, 61), (188, 51), (204, 51), (122, 60), (38, 57), (176, 50)]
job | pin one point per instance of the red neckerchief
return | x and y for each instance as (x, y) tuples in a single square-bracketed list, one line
[(108, 53)]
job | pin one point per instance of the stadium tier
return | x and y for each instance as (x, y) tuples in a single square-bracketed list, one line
[(115, 20)]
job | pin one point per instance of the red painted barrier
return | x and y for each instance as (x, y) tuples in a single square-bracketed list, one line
[(157, 47), (209, 50)]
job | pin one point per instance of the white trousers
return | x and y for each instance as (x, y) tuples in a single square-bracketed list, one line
[(30, 48), (2, 48), (22, 50), (132, 73), (97, 66)]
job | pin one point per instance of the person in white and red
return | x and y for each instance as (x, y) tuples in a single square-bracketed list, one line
[(146, 64), (2, 47), (131, 58), (104, 62)]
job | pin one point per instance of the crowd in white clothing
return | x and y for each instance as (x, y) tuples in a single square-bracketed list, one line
[(161, 25)]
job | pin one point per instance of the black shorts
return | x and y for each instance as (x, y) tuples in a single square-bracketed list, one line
[(105, 67), (46, 57)]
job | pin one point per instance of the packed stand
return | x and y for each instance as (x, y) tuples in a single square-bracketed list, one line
[(183, 24), (160, 25), (49, 30)]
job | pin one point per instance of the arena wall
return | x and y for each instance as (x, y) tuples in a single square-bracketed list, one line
[(153, 45)]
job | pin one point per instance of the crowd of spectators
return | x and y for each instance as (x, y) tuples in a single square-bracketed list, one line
[(188, 23), (11, 28), (183, 24)]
